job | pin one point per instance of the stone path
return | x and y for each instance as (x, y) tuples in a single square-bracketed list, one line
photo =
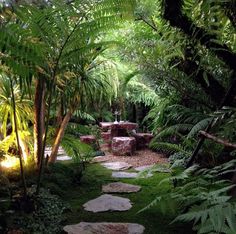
[(108, 202), (143, 168), (61, 155), (119, 187), (117, 166), (124, 175)]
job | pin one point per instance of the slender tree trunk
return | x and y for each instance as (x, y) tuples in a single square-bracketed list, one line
[(59, 137), (39, 119), (22, 172)]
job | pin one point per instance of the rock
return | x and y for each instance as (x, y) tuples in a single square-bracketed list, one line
[(99, 159), (119, 187), (63, 158), (99, 153), (117, 165), (120, 174), (107, 202), (105, 125), (106, 136), (104, 228), (143, 139), (129, 175), (143, 168), (123, 145), (90, 140)]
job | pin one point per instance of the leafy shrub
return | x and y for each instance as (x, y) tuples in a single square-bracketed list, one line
[(47, 216), (178, 159), (201, 197)]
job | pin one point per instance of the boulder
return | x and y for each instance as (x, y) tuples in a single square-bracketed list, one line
[(143, 139), (123, 145), (107, 202), (119, 187), (104, 228)]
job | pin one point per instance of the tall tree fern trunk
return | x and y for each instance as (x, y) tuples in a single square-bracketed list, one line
[(39, 119), (59, 137)]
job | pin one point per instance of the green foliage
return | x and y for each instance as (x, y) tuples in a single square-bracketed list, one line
[(23, 106), (178, 159), (47, 217), (79, 151), (167, 148), (201, 196)]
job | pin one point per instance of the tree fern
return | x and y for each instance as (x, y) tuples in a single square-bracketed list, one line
[(79, 151), (167, 148), (174, 130), (199, 126), (201, 197)]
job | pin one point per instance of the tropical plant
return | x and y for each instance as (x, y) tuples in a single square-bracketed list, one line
[(53, 40), (201, 196)]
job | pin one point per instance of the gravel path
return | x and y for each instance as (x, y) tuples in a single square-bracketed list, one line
[(140, 158)]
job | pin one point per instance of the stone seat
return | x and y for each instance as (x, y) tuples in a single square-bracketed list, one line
[(90, 140), (106, 136), (142, 139), (122, 146)]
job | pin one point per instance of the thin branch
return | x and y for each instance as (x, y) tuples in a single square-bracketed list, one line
[(218, 140)]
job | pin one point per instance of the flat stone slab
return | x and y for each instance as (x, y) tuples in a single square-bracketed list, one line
[(143, 168), (121, 174), (99, 159), (117, 166), (119, 187), (63, 158), (108, 202), (104, 228)]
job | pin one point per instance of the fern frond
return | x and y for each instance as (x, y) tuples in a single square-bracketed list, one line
[(174, 129), (167, 147), (199, 126)]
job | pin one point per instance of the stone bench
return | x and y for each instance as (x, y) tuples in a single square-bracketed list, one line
[(121, 146), (90, 140), (105, 126), (143, 139), (106, 136)]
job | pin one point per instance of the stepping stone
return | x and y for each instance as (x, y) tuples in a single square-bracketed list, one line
[(117, 165), (107, 202), (99, 159), (143, 168), (120, 174), (119, 187), (104, 228), (63, 158), (129, 175)]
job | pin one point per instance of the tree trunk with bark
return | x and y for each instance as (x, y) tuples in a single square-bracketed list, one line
[(39, 119), (59, 137)]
